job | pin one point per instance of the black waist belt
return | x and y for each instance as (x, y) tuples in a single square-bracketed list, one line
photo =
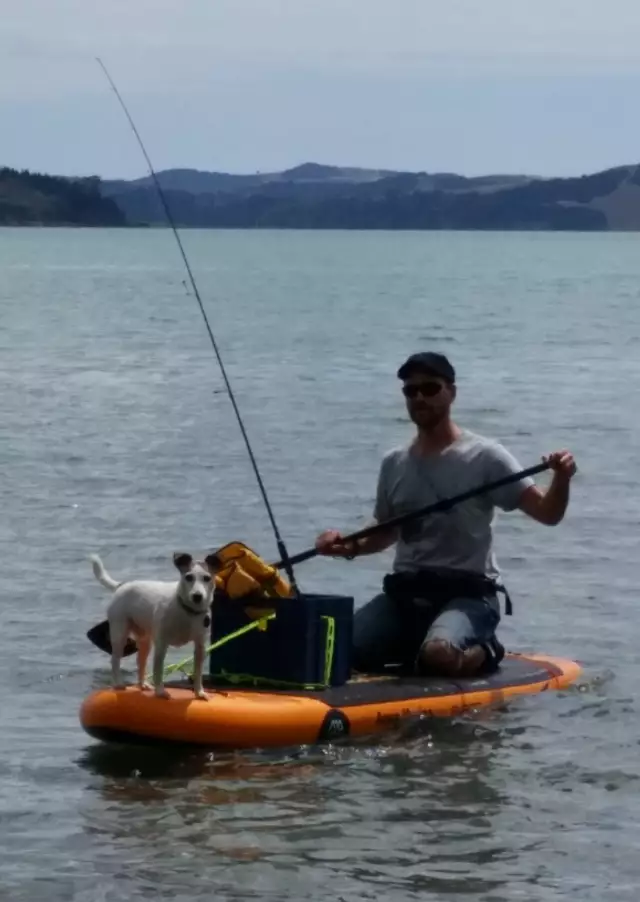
[(441, 586)]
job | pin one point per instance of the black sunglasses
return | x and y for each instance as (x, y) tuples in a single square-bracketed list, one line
[(426, 389)]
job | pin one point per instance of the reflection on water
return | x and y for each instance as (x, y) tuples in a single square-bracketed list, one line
[(419, 783)]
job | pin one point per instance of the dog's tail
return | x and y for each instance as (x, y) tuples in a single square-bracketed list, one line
[(101, 574)]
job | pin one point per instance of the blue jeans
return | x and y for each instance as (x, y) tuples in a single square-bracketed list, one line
[(385, 632)]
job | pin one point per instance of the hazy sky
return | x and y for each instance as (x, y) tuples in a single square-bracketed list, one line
[(471, 86)]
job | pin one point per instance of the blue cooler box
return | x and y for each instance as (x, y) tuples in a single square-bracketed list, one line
[(307, 643)]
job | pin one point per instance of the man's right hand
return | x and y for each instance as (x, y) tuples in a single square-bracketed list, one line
[(332, 543)]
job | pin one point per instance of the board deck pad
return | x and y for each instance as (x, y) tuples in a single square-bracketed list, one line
[(372, 689)]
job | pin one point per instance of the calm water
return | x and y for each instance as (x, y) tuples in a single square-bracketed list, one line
[(115, 436)]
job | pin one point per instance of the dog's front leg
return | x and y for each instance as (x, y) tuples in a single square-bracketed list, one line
[(198, 665), (159, 654)]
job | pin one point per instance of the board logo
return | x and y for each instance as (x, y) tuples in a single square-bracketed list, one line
[(334, 726)]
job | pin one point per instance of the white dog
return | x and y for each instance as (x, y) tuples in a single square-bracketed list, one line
[(163, 614)]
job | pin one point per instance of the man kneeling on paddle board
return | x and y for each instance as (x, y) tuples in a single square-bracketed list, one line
[(439, 609)]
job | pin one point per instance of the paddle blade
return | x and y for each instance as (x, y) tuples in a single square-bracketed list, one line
[(101, 638)]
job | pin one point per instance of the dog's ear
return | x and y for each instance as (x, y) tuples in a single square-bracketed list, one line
[(182, 561), (213, 562)]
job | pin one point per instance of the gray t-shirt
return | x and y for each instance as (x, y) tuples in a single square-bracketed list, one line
[(461, 538)]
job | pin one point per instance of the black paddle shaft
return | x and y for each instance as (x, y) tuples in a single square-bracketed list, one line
[(99, 634), (443, 505)]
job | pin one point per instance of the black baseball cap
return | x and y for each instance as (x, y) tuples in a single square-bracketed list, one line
[(428, 362)]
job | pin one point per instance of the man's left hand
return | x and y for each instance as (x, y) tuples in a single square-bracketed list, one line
[(562, 463)]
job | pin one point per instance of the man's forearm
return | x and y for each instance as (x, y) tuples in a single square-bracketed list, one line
[(378, 541), (552, 504), (556, 499)]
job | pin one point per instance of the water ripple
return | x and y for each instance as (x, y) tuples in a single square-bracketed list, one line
[(117, 437)]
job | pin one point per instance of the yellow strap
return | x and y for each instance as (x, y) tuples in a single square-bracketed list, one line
[(243, 679), (256, 624), (329, 648)]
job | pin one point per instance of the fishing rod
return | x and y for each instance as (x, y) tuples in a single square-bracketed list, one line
[(282, 550)]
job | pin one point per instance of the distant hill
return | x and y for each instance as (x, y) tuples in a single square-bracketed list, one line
[(315, 196), (299, 179), (28, 198)]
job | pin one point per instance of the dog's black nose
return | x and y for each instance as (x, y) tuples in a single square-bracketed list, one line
[(197, 596)]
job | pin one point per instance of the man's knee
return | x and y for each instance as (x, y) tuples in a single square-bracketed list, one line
[(438, 655), (441, 657)]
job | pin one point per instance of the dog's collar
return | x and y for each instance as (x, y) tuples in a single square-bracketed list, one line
[(185, 607)]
